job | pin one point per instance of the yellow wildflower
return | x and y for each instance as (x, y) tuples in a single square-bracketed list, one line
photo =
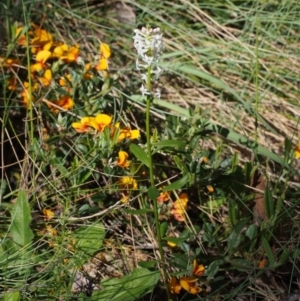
[(189, 284), (41, 59), (49, 214), (297, 151), (84, 124), (66, 53), (42, 40), (103, 121), (105, 53), (123, 159), (128, 183)]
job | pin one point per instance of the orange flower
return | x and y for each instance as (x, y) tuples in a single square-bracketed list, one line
[(163, 197), (65, 102), (122, 160), (179, 207), (12, 83), (189, 284), (174, 286), (210, 188), (9, 63), (198, 270)]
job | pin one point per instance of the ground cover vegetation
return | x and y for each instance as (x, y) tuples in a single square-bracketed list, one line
[(149, 150)]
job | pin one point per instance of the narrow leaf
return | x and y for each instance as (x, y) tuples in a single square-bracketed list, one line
[(268, 250), (177, 184)]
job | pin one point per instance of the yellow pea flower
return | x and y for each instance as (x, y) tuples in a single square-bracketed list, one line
[(189, 284), (128, 183), (174, 286), (198, 270), (123, 159)]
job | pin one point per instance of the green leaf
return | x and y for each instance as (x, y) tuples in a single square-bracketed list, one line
[(153, 193), (12, 296), (163, 228), (213, 268), (170, 143), (268, 250), (89, 239), (147, 264), (21, 218), (269, 202), (234, 240), (177, 184), (242, 265), (139, 154), (3, 186), (128, 288), (251, 233), (140, 211), (233, 212)]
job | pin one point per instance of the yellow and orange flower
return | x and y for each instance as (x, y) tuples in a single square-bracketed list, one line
[(66, 53), (84, 125), (189, 284), (42, 40), (65, 102), (46, 79), (126, 133), (174, 286), (25, 94), (123, 159), (41, 59), (105, 54), (179, 207), (163, 197), (198, 269), (49, 214), (102, 121)]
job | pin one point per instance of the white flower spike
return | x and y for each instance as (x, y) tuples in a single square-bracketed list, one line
[(149, 46)]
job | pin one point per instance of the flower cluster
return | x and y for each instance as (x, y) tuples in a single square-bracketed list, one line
[(102, 121), (149, 46), (188, 283), (47, 58), (177, 208)]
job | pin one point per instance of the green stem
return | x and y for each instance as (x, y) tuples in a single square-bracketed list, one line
[(157, 224)]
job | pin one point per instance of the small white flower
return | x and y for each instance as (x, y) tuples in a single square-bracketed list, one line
[(157, 94), (144, 90)]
